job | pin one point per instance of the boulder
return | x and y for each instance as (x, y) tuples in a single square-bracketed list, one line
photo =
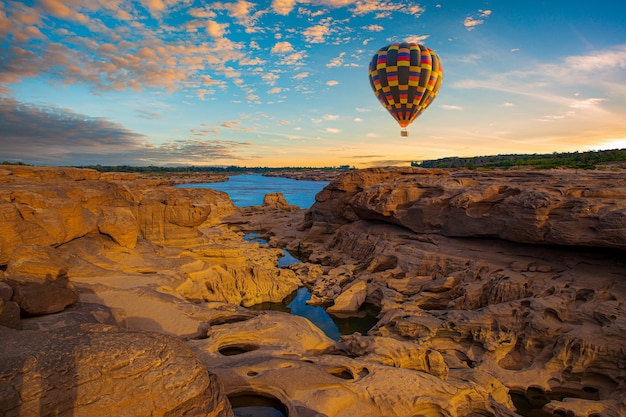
[(277, 201), (350, 300), (6, 292), (9, 314), (101, 370), (38, 278), (120, 224)]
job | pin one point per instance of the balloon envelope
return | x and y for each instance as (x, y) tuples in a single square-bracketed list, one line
[(406, 78)]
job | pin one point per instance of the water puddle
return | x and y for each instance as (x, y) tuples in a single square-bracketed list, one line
[(333, 326), (257, 406)]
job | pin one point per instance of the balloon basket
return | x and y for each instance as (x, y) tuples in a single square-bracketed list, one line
[(404, 133)]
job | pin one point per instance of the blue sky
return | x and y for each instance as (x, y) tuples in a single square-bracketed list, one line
[(284, 82)]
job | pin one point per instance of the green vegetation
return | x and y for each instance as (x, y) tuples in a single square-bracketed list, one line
[(578, 160)]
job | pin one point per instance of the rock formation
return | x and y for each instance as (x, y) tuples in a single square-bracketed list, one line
[(495, 289), (98, 370), (516, 275), (543, 207)]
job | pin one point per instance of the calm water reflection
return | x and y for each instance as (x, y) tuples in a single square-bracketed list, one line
[(249, 190), (334, 327)]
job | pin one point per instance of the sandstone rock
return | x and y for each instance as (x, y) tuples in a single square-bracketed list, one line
[(9, 314), (76, 314), (549, 207), (38, 277), (528, 314), (37, 262), (42, 296), (40, 218), (237, 276), (401, 354), (53, 206), (307, 272), (6, 292), (329, 286), (118, 176), (43, 173), (351, 299), (255, 355), (100, 370), (408, 285), (277, 201), (441, 253), (120, 224), (172, 218)]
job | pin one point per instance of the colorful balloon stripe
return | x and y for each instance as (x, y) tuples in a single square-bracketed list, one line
[(406, 78)]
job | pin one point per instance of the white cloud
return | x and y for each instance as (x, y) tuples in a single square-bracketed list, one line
[(336, 62), (384, 8), (283, 7), (330, 117), (332, 130), (252, 61), (332, 83), (203, 92), (215, 29), (297, 58), (282, 48), (207, 80), (450, 107), (586, 104), (270, 78), (417, 38), (358, 120), (316, 34), (241, 11), (472, 21), (599, 60), (300, 76), (374, 28), (231, 124)]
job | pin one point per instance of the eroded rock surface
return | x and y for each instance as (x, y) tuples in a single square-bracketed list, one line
[(516, 275), (98, 370), (490, 286), (542, 207)]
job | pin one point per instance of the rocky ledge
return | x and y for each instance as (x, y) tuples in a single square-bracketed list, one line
[(498, 293)]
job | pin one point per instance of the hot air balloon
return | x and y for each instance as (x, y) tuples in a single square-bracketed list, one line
[(405, 77)]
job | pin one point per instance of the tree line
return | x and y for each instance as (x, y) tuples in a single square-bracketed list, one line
[(578, 160)]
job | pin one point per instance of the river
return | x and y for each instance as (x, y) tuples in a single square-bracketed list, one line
[(249, 190)]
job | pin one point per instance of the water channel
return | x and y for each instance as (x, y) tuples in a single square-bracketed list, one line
[(296, 304)]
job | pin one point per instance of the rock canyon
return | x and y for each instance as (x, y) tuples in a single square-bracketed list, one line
[(498, 293)]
